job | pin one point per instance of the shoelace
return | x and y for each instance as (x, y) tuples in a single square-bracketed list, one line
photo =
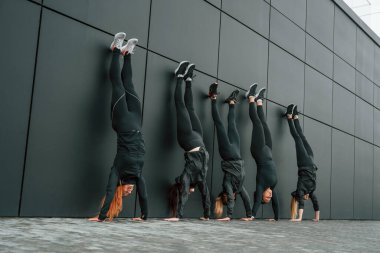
[(119, 43), (131, 51)]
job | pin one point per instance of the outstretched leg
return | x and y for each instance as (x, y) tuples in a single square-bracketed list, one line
[(303, 138), (133, 101), (303, 158), (121, 117), (187, 138), (195, 122), (258, 137), (268, 137), (233, 134), (225, 150)]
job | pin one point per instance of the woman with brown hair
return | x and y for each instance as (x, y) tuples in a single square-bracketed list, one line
[(232, 164), (190, 138), (126, 121), (307, 175)]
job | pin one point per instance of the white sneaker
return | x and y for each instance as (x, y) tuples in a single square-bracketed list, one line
[(129, 47), (118, 40)]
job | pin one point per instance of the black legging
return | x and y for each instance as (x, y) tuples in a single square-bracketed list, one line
[(189, 128), (305, 155), (261, 144), (229, 144), (125, 105)]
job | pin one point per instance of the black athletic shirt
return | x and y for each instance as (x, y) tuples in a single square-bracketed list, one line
[(266, 177), (306, 184), (233, 184), (127, 168), (194, 174)]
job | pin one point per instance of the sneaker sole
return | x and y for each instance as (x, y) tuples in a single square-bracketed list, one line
[(188, 68), (135, 41), (179, 65), (247, 92), (118, 36), (258, 93)]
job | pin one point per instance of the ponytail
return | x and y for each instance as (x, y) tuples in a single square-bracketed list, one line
[(173, 198), (293, 207), (116, 204), (219, 203)]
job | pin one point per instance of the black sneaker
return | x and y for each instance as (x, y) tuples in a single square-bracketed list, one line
[(295, 111), (251, 91), (260, 94), (289, 110), (180, 70), (189, 71), (213, 90), (233, 97)]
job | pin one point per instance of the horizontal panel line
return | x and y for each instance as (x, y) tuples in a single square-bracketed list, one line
[(217, 78)]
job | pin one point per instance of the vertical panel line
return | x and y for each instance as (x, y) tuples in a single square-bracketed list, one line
[(145, 77), (266, 107), (332, 109), (30, 110)]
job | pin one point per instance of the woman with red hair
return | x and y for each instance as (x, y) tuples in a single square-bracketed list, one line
[(126, 121)]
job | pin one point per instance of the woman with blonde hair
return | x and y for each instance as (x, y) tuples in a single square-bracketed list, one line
[(307, 175), (261, 150), (232, 164), (126, 121)]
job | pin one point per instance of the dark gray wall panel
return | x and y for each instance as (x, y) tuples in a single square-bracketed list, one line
[(344, 74), (376, 125), (287, 35), (318, 88), (188, 30), (364, 120), (342, 175), (365, 54), (71, 143), (364, 87), (245, 131), (319, 137), (284, 155), (376, 184), (15, 95), (285, 85), (343, 109), (164, 159), (242, 61), (254, 14), (376, 96), (363, 183), (376, 71), (131, 17), (319, 56), (321, 26), (344, 37), (293, 9)]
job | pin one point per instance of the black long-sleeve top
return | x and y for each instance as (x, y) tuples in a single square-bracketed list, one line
[(127, 168), (266, 177), (194, 173), (233, 184), (306, 184)]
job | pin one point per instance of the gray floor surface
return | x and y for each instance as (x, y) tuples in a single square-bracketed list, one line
[(154, 235)]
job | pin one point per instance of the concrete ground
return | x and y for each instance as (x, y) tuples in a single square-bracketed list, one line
[(122, 235)]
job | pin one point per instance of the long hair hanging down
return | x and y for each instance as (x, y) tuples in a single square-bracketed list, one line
[(293, 207), (220, 202), (116, 204), (173, 198)]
